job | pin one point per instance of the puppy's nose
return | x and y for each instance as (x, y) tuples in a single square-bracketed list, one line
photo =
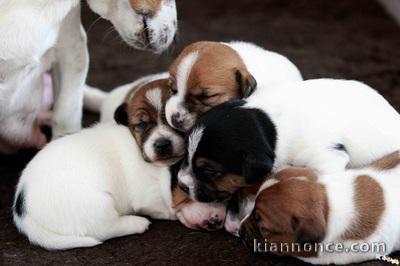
[(183, 187), (176, 120), (214, 223), (163, 146)]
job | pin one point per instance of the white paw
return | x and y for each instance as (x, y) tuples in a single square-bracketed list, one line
[(141, 224)]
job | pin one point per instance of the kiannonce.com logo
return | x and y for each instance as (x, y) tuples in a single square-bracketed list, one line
[(337, 247)]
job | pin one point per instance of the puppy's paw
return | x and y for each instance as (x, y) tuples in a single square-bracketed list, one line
[(141, 224)]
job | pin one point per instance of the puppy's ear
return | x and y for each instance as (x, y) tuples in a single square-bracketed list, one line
[(246, 82), (310, 230), (121, 115), (256, 167)]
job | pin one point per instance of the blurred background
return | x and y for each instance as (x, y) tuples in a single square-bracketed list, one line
[(351, 39)]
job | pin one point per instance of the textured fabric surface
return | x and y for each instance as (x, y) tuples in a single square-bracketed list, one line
[(340, 39)]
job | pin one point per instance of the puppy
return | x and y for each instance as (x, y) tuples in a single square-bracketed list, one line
[(326, 125), (356, 208), (85, 188), (206, 74), (38, 36)]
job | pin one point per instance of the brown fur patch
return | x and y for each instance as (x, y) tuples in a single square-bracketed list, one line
[(213, 78), (224, 182), (179, 197), (369, 203), (291, 211), (149, 7), (388, 162), (140, 110)]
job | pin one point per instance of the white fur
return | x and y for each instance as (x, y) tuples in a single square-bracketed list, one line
[(40, 35), (85, 188), (129, 24), (117, 96), (340, 191), (154, 98), (174, 105), (268, 68), (163, 132), (312, 116)]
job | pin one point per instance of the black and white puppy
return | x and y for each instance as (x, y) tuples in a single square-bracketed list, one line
[(324, 124)]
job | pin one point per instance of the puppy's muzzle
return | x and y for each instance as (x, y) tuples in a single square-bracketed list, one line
[(163, 147), (214, 223), (177, 121)]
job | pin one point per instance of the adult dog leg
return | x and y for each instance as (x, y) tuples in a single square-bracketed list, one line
[(69, 75)]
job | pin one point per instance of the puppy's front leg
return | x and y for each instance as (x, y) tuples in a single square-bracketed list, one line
[(69, 75)]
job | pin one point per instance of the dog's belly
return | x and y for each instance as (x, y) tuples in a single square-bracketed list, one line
[(26, 99)]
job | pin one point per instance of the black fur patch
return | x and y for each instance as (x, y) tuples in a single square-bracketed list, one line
[(47, 131), (241, 140), (19, 207), (120, 115)]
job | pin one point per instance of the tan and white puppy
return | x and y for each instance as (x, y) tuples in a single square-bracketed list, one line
[(42, 35), (143, 113), (357, 209), (206, 74)]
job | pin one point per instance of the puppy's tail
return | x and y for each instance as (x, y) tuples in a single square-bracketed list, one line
[(50, 240), (93, 98)]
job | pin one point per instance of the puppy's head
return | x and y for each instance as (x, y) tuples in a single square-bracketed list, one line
[(143, 24), (144, 114), (228, 148), (291, 208), (204, 75)]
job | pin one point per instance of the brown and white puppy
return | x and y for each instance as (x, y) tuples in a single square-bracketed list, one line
[(340, 218), (143, 113), (206, 74)]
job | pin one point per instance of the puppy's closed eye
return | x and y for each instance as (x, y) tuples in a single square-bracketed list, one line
[(210, 172)]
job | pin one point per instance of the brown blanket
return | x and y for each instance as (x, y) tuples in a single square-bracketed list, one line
[(340, 39)]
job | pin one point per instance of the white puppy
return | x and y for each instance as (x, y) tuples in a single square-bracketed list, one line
[(41, 35), (85, 188)]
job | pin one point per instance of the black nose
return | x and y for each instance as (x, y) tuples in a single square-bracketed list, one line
[(183, 187), (214, 223), (163, 146), (176, 120)]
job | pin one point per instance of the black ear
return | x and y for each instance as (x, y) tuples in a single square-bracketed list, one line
[(309, 230), (247, 83), (256, 166), (120, 115)]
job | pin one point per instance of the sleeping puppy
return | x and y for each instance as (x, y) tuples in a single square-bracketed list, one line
[(63, 203), (326, 125), (140, 106), (206, 74), (354, 208)]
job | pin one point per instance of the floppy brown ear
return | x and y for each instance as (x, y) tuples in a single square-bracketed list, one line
[(179, 197), (309, 230), (121, 115), (247, 83)]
